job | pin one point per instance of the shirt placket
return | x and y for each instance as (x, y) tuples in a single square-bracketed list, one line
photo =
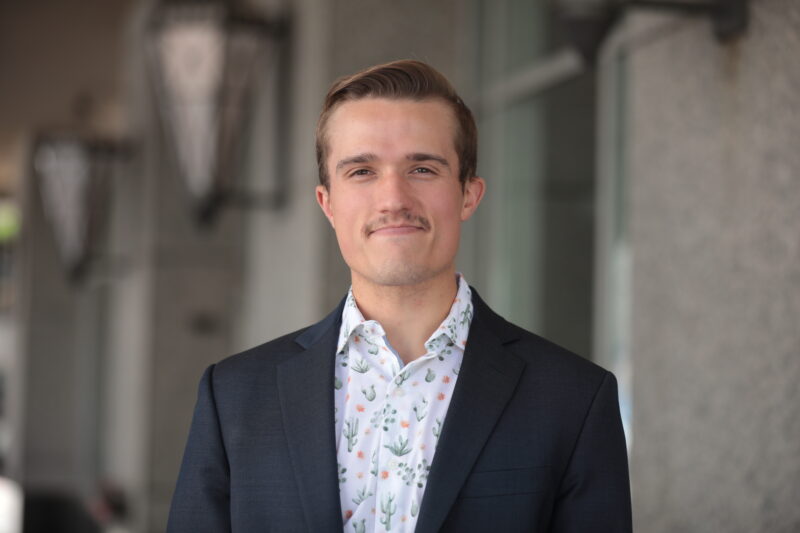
[(388, 366), (368, 342), (392, 500)]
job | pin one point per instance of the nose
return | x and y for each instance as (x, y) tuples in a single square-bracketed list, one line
[(394, 193)]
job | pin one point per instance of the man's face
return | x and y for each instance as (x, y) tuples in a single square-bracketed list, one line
[(394, 198)]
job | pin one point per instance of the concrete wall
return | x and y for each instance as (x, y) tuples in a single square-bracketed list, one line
[(715, 220), (284, 253)]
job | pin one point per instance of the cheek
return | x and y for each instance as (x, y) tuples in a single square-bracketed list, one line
[(347, 225), (450, 211), (449, 224)]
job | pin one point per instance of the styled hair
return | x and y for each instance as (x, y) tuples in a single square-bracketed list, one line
[(403, 79)]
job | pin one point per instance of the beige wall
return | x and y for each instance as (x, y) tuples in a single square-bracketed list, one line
[(58, 66)]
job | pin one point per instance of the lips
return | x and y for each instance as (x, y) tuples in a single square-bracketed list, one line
[(408, 224), (396, 230)]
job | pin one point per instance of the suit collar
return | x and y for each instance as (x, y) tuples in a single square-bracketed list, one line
[(305, 390), (487, 379), (313, 334), (486, 382)]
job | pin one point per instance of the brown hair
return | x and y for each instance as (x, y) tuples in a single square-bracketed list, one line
[(409, 79)]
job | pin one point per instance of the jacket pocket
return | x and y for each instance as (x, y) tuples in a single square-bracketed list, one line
[(507, 482)]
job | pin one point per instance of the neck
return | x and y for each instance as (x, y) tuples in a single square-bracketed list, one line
[(409, 314)]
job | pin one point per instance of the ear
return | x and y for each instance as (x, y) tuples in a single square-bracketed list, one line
[(324, 201), (473, 194)]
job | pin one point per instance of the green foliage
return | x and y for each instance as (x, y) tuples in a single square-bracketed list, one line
[(437, 429), (360, 366), (374, 463), (351, 432), (369, 394), (361, 495), (388, 508), (401, 378), (407, 473), (414, 508), (421, 411), (399, 448)]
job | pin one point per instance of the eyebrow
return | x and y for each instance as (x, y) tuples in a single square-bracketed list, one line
[(356, 159), (420, 157), (368, 157)]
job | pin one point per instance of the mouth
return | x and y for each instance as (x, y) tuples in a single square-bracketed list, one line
[(395, 230), (409, 225)]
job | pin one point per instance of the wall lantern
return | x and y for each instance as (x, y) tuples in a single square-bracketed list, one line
[(73, 174), (586, 22), (204, 56), (728, 17)]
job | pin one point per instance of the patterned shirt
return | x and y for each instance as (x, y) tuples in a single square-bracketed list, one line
[(389, 416)]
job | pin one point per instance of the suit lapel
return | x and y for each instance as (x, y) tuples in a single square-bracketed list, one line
[(487, 379), (305, 388)]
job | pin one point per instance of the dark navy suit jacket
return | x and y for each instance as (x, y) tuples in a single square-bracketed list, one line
[(532, 441)]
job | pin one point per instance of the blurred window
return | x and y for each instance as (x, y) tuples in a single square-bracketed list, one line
[(530, 247)]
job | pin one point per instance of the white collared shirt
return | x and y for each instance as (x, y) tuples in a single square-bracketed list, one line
[(389, 416)]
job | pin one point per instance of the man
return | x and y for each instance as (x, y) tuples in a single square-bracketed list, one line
[(412, 406)]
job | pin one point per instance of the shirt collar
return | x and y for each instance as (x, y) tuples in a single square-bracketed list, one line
[(453, 329)]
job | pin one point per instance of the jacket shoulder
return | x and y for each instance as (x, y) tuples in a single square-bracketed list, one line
[(270, 353), (546, 357), (544, 353)]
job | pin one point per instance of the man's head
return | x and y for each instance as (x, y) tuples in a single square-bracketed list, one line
[(401, 80), (393, 186)]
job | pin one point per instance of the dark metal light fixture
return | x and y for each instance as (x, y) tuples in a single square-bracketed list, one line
[(728, 17), (587, 22), (204, 55), (73, 175)]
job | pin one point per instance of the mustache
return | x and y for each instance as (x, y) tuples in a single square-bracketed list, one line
[(400, 218)]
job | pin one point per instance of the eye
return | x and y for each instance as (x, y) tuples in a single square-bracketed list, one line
[(422, 170), (360, 172)]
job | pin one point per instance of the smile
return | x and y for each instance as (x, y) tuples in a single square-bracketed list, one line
[(396, 230), (405, 224)]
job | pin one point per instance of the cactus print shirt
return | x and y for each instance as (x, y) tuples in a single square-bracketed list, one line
[(389, 415)]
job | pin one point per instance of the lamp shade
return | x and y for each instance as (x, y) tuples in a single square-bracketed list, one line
[(73, 177), (203, 60)]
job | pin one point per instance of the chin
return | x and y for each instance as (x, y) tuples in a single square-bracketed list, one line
[(404, 274)]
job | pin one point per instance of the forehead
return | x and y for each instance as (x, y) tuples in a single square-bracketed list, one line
[(386, 126)]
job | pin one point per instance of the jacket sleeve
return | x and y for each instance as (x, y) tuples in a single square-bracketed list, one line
[(594, 494), (201, 502)]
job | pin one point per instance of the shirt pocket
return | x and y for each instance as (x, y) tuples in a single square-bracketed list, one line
[(507, 482)]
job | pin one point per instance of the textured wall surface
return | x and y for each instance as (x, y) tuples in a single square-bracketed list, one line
[(715, 220), (190, 276)]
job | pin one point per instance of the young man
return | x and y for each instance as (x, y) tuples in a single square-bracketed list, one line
[(412, 406)]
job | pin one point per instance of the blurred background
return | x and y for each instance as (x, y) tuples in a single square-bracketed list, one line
[(157, 214)]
